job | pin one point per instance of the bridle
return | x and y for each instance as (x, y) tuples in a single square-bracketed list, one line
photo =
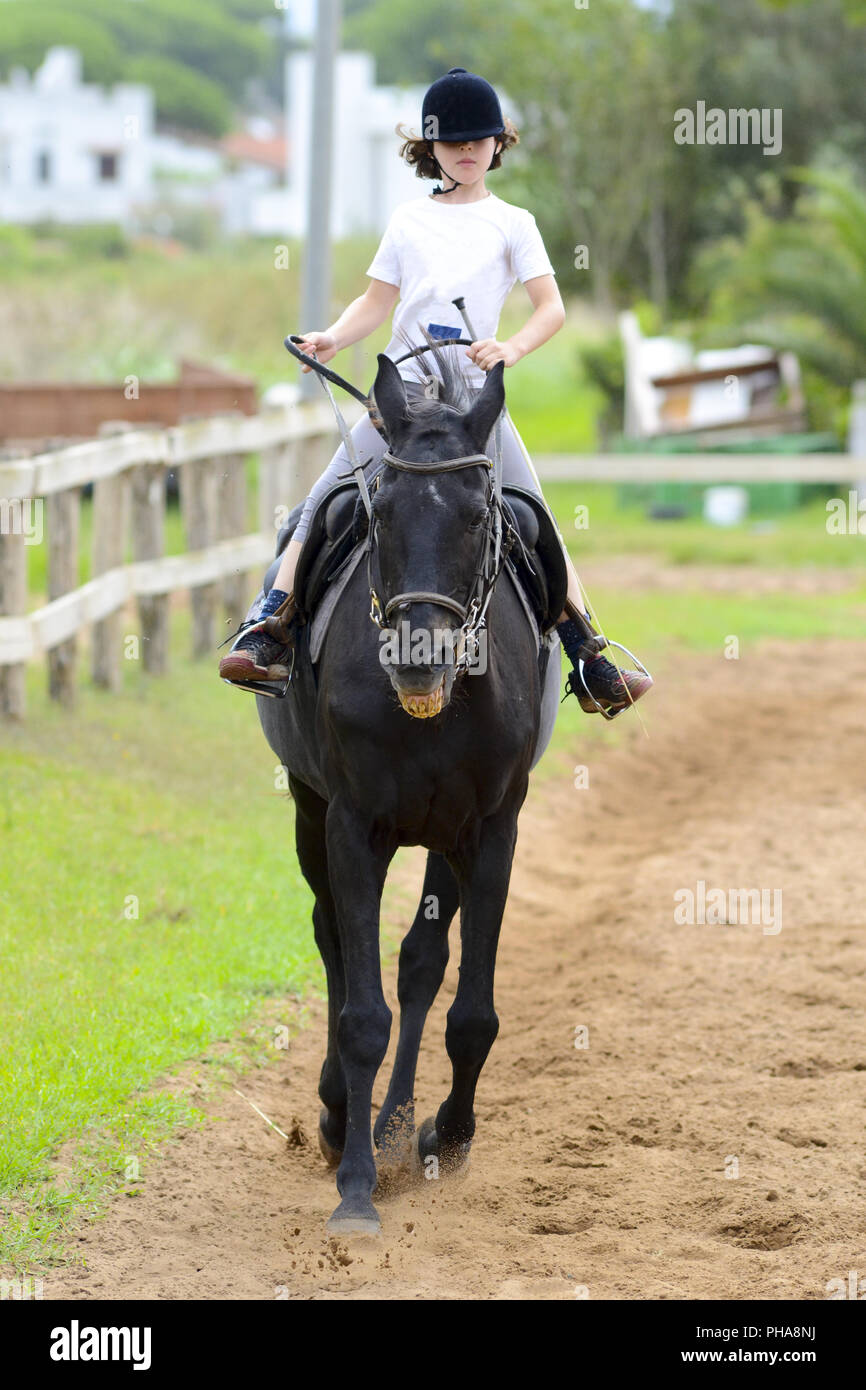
[(493, 554), (499, 534)]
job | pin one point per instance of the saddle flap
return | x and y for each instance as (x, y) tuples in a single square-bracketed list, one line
[(542, 573), (328, 541)]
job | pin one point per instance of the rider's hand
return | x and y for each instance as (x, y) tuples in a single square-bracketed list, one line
[(487, 352), (322, 344)]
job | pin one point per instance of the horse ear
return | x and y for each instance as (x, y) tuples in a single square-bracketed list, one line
[(479, 421), (389, 396)]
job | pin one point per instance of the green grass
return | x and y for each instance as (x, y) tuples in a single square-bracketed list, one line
[(666, 627), (68, 315), (669, 629), (165, 795), (793, 538)]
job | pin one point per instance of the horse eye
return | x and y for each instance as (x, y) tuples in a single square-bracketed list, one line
[(478, 520)]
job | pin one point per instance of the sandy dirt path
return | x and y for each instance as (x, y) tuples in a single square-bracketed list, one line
[(599, 1171)]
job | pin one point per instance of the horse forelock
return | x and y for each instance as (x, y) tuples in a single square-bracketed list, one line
[(455, 386)]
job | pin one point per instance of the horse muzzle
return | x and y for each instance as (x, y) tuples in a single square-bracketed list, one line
[(423, 691)]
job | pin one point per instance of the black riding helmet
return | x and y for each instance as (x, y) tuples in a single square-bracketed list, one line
[(461, 106)]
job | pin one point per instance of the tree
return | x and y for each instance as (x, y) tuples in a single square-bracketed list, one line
[(798, 283), (184, 98)]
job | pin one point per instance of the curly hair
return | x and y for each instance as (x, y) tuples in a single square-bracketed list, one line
[(419, 153)]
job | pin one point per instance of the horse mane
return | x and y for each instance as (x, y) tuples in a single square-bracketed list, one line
[(455, 387)]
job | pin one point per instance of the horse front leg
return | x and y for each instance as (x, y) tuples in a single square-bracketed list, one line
[(483, 875), (357, 868), (310, 817), (423, 958)]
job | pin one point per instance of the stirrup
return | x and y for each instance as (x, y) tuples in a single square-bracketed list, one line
[(572, 689)]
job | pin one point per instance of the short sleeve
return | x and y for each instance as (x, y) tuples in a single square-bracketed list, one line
[(528, 255), (385, 265)]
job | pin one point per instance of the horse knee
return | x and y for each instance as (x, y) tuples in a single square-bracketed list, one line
[(363, 1034), (470, 1034), (332, 1085), (422, 967)]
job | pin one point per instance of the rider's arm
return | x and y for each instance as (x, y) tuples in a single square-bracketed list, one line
[(547, 317), (364, 315)]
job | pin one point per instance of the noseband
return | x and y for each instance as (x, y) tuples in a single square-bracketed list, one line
[(472, 612)]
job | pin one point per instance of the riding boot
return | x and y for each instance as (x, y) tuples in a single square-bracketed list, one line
[(600, 688)]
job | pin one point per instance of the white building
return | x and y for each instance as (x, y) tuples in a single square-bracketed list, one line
[(369, 178), (75, 152), (70, 151)]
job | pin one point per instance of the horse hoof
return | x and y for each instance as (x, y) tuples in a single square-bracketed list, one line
[(333, 1157), (437, 1160), (354, 1219)]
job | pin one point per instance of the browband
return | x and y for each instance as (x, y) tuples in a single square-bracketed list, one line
[(442, 466)]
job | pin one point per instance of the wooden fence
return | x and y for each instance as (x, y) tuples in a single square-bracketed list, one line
[(128, 473), (40, 499)]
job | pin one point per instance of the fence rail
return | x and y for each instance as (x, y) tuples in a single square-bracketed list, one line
[(128, 471), (701, 468)]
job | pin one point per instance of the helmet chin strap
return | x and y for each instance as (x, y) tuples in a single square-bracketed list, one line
[(440, 189)]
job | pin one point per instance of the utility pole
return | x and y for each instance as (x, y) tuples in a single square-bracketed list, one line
[(316, 278)]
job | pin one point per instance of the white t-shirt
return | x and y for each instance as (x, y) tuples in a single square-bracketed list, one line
[(433, 252)]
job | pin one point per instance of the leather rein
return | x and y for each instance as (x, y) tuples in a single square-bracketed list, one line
[(494, 552)]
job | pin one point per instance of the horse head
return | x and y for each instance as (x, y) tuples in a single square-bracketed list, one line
[(432, 517)]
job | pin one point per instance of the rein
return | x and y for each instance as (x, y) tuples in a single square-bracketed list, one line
[(472, 613)]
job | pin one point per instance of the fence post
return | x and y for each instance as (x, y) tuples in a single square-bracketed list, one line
[(231, 522), (110, 518), (198, 494), (148, 543), (314, 455), (13, 603), (857, 434), (63, 512), (269, 467)]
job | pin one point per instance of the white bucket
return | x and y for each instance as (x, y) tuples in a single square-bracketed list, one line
[(725, 506)]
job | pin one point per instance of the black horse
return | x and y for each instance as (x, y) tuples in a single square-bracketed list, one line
[(368, 775)]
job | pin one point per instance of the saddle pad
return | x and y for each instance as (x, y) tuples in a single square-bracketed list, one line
[(330, 599)]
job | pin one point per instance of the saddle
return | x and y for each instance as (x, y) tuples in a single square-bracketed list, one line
[(338, 528)]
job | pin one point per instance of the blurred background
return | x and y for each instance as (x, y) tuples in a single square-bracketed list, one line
[(153, 153)]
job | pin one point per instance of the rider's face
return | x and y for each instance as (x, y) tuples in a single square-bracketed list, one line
[(465, 161)]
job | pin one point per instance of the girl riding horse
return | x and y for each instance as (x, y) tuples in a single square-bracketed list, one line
[(459, 239)]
